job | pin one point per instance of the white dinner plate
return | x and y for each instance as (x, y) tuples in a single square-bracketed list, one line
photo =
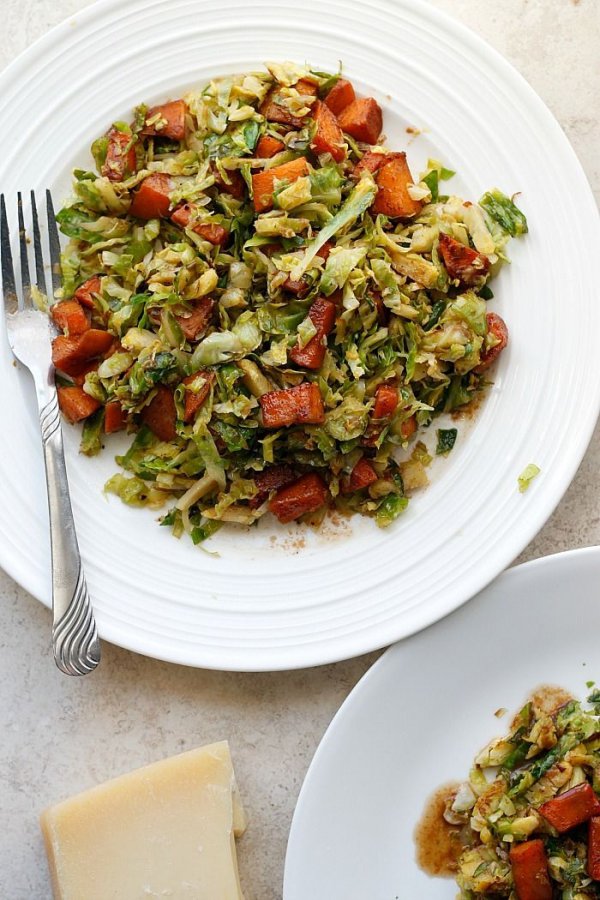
[(278, 597), (418, 717)]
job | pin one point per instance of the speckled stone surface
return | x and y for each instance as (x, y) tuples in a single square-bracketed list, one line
[(61, 735)]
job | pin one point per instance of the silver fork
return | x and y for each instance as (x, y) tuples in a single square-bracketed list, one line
[(74, 636)]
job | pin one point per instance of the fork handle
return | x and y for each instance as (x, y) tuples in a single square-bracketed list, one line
[(75, 639)]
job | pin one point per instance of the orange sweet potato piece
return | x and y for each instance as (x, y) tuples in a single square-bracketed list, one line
[(302, 287), (234, 184), (75, 404), (329, 137), (340, 96), (386, 401), (120, 156), (363, 474), (115, 417), (300, 405), (161, 415), (408, 428), (497, 326), (571, 808), (214, 234), (273, 111), (393, 199), (530, 870), (304, 86), (462, 262), (72, 355), (362, 120), (168, 120), (195, 399), (305, 495), (85, 291), (268, 146), (70, 317), (372, 162), (322, 315), (263, 183), (151, 200), (593, 853), (197, 321), (271, 479)]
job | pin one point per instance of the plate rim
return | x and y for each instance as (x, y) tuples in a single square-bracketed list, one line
[(280, 657)]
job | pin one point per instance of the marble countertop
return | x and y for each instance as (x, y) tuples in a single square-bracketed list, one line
[(62, 735)]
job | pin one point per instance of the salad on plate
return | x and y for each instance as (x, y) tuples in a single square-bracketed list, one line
[(262, 294)]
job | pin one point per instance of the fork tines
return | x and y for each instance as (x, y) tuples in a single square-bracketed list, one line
[(9, 283)]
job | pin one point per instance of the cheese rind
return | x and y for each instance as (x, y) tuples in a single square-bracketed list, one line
[(164, 831)]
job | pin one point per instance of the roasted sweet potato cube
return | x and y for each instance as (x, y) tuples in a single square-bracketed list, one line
[(72, 355), (371, 162), (329, 137), (340, 96), (166, 120), (233, 183), (363, 474), (115, 417), (322, 314), (151, 200), (161, 414), (211, 232), (75, 404), (300, 405), (275, 112), (263, 183), (593, 853), (496, 326), (530, 870), (195, 398), (571, 808), (362, 120), (85, 292), (462, 262), (70, 317), (302, 496), (120, 156), (271, 479), (393, 199), (386, 401), (268, 146), (195, 323)]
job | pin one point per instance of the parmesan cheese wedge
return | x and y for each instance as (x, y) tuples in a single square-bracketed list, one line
[(164, 831)]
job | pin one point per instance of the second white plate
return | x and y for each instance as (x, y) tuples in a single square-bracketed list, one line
[(418, 717)]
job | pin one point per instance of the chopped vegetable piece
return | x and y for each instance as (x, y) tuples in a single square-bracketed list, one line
[(166, 120), (386, 401), (115, 418), (322, 314), (371, 162), (152, 200), (70, 317), (593, 850), (502, 209), (75, 404), (120, 156), (393, 199), (527, 475), (571, 808), (306, 495), (268, 146), (72, 354), (300, 405), (161, 415), (271, 479), (84, 293), (198, 388), (340, 96), (276, 112), (362, 120), (446, 438), (263, 183), (233, 184), (211, 232), (461, 262), (194, 323), (530, 870), (498, 332), (363, 474), (408, 428), (329, 137)]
